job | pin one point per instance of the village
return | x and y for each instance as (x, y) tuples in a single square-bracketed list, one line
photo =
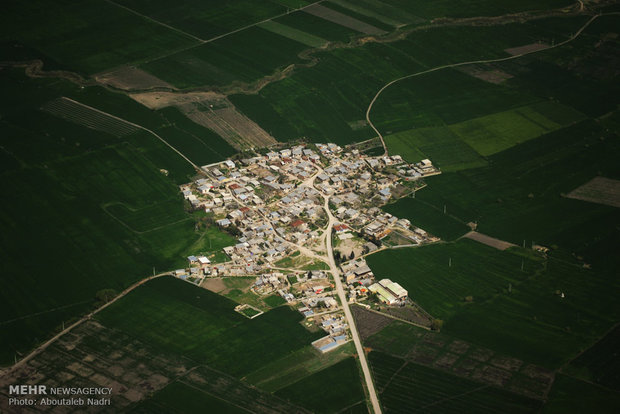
[(287, 208)]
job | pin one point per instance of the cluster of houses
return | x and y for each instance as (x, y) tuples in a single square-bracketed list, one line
[(274, 205)]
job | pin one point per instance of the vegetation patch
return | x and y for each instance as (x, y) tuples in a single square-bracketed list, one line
[(293, 34), (409, 386), (318, 393), (428, 217), (181, 318)]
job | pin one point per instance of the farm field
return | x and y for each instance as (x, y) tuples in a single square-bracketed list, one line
[(177, 317), (101, 212), (409, 387), (486, 299), (169, 400), (332, 389), (208, 19), (317, 26), (245, 56), (599, 364), (427, 217), (446, 8), (317, 102), (570, 395), (293, 34), (114, 37), (296, 366), (441, 145), (518, 196), (476, 270)]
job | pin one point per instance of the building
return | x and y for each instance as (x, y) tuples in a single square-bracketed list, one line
[(390, 293)]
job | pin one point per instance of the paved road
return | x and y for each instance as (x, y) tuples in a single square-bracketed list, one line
[(370, 386)]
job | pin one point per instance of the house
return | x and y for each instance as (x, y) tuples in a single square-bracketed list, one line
[(223, 222), (299, 225), (229, 164), (340, 228)]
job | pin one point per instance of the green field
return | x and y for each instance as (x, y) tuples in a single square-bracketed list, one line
[(408, 387), (599, 364), (462, 8), (181, 398), (88, 210), (243, 56), (317, 26), (476, 270), (295, 366), (321, 104), (570, 395), (441, 145), (293, 34), (211, 18), (428, 217), (519, 195), (87, 36), (327, 391), (494, 133), (518, 313), (177, 317)]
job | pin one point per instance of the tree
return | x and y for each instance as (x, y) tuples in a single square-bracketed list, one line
[(352, 255), (436, 324), (105, 295)]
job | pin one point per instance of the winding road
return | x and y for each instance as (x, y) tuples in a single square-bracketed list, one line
[(471, 62)]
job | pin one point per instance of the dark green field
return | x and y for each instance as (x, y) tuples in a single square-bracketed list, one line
[(408, 387), (211, 18), (462, 8), (486, 299), (428, 217), (88, 210), (327, 391), (177, 317), (180, 398), (319, 103), (477, 270), (570, 395), (599, 364), (244, 56), (519, 195), (87, 36)]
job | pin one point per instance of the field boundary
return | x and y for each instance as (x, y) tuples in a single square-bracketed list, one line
[(136, 126), (86, 317), (473, 62), (105, 206)]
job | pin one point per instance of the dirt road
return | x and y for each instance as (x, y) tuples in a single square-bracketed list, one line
[(43, 346), (473, 62)]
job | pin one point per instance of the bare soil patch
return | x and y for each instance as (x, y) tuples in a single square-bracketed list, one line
[(490, 75), (222, 117), (214, 285), (492, 375), (369, 323), (131, 78), (159, 100), (447, 360), (599, 190), (488, 240), (520, 50), (458, 347), (507, 363)]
